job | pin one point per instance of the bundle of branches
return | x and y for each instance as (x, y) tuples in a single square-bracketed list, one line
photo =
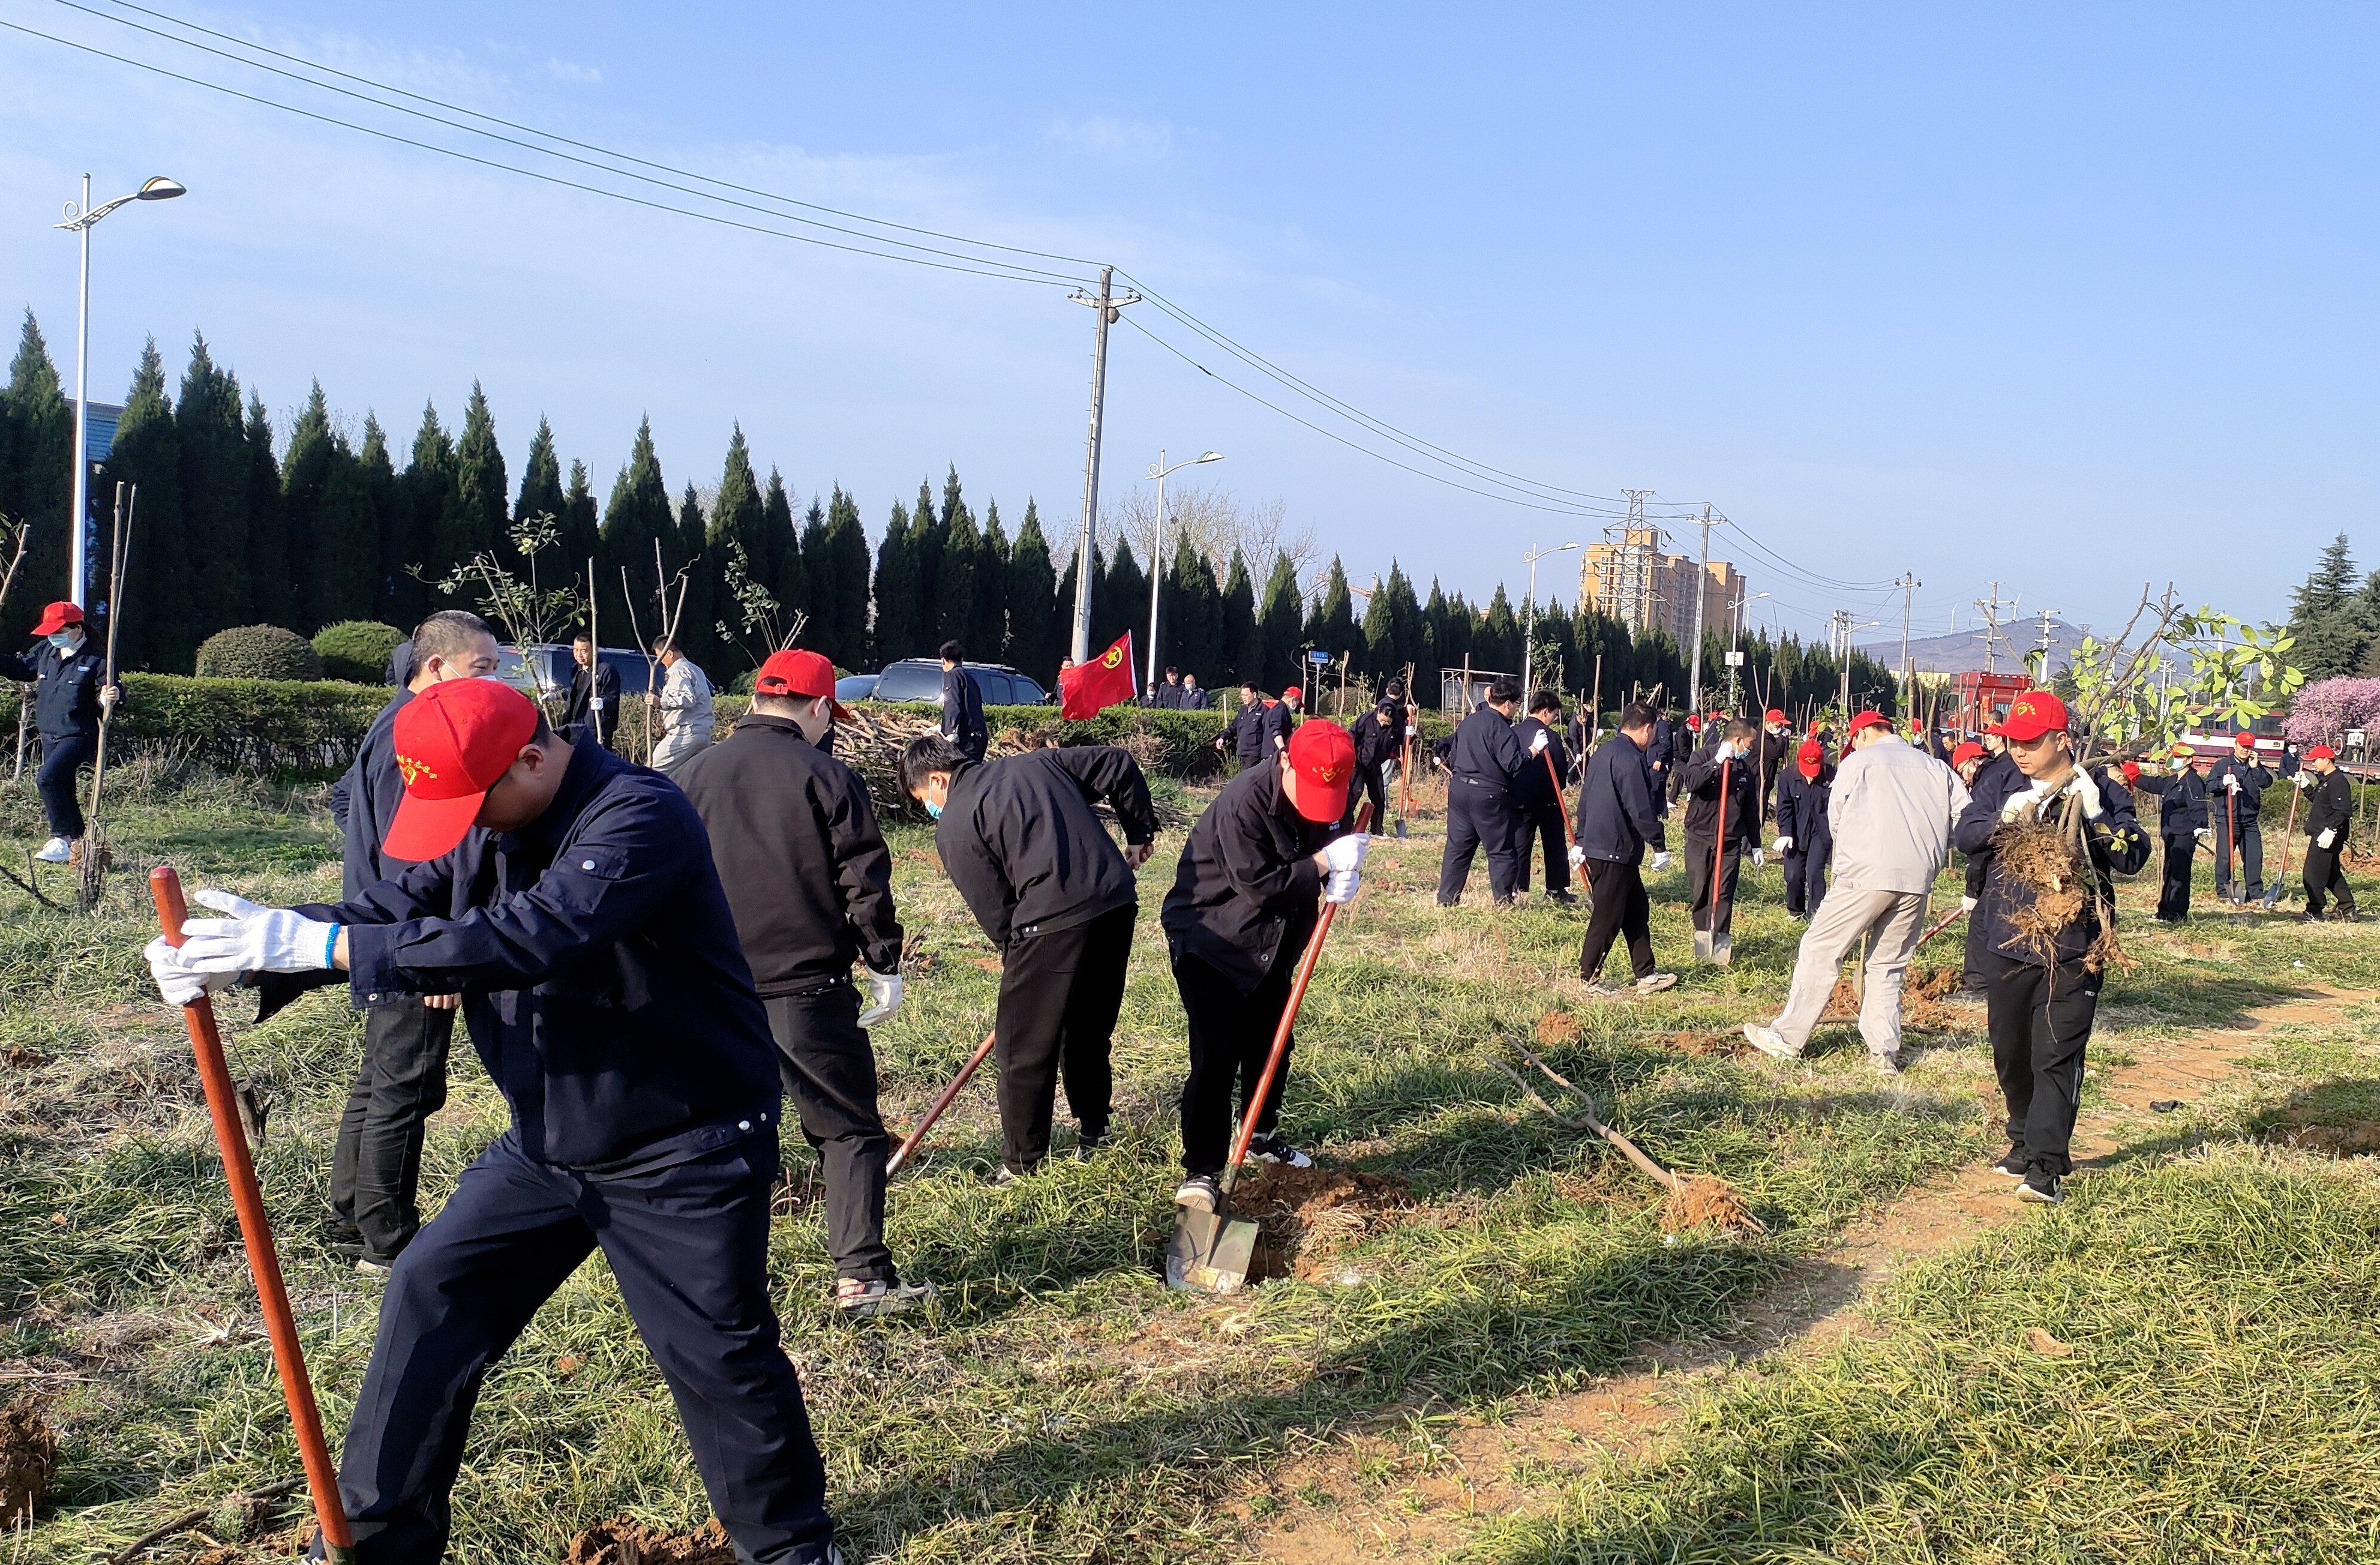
[(872, 743), (2049, 859)]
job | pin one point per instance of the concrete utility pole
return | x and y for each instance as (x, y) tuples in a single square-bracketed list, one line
[(1909, 584), (1108, 309), (1702, 590), (1991, 607), (2045, 616), (1844, 656)]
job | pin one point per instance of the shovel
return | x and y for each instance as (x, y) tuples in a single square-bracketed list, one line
[(1714, 944), (2273, 892), (958, 1085), (1211, 1251), (264, 1260)]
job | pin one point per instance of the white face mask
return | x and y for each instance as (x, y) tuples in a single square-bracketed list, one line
[(66, 640)]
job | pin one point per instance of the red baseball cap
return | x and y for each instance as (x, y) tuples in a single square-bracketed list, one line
[(57, 617), (1323, 756), (2243, 741), (454, 742), (2131, 772), (1773, 715), (1870, 719), (1810, 756), (797, 673), (2031, 715), (2321, 752), (1968, 750), (1296, 690)]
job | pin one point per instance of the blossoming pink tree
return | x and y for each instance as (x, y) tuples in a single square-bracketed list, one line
[(2325, 710)]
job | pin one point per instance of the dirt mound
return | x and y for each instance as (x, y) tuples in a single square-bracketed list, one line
[(1305, 1215), (1939, 984), (1700, 1044), (621, 1542), (1556, 1028), (29, 1460), (1705, 1200), (2358, 1138)]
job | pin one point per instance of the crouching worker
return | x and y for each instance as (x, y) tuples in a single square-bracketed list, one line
[(1024, 844), (607, 996), (2043, 983), (1245, 902), (810, 882)]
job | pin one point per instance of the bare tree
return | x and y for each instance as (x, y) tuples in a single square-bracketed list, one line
[(1212, 521)]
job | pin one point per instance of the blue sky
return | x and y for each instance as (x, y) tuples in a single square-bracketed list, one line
[(2074, 300)]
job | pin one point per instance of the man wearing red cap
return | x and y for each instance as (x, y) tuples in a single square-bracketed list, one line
[(610, 1001), (70, 692), (1772, 750), (1805, 842), (1021, 839), (1281, 720), (2235, 799), (2043, 993), (2181, 823), (2329, 809), (794, 835), (1246, 899)]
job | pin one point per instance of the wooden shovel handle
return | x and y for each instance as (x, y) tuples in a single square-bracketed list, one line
[(958, 1083), (256, 1232)]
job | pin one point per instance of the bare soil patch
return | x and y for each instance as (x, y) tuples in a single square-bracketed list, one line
[(28, 1460), (621, 1542), (1306, 1216)]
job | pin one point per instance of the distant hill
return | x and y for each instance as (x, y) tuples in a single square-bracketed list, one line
[(1963, 649)]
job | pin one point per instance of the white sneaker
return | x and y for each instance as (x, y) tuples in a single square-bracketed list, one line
[(1769, 1040), (57, 850)]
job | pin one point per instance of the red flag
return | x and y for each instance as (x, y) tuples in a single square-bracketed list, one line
[(1089, 688)]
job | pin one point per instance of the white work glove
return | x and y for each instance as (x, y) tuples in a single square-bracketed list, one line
[(1344, 856), (254, 938), (2329, 835), (1758, 858), (1341, 886), (1537, 746), (884, 995), (2083, 786), (180, 984), (1966, 904), (2035, 794), (2205, 838), (1784, 845), (1577, 856), (2230, 782), (1660, 861)]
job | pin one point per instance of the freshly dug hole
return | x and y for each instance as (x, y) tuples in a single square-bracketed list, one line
[(2358, 1139), (29, 1460), (1303, 1215), (621, 1542)]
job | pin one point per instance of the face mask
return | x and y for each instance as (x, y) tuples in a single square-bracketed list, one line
[(933, 810), (65, 640)]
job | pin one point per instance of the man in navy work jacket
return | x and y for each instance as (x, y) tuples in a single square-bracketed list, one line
[(610, 1001), (1804, 839), (1539, 795), (961, 705), (1486, 762), (1618, 814), (1022, 842), (1243, 904), (69, 675), (1244, 732), (2042, 1002), (376, 1161), (2181, 823), (1727, 758), (2235, 798), (806, 873)]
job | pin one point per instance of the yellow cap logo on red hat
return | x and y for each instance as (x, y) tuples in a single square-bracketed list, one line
[(2024, 707), (1326, 773), (413, 770)]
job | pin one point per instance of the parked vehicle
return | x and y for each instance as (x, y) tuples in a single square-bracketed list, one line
[(544, 669), (920, 679)]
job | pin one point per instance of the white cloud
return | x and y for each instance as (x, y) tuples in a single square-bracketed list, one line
[(566, 70), (1112, 141)]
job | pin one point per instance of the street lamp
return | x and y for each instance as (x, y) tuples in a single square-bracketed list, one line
[(1158, 470), (1529, 620), (1735, 643), (80, 218)]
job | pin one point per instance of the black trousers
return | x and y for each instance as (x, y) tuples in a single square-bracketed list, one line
[(2251, 852), (2173, 889), (689, 1246), (1480, 816), (376, 1161), (1698, 883), (61, 759), (2325, 877), (1230, 1035), (1805, 878), (1971, 975), (1367, 783), (830, 1074), (2039, 1019), (1059, 991), (1542, 823), (1617, 909)]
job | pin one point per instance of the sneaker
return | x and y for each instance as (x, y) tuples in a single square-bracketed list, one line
[(869, 1299), (57, 850), (368, 1267), (1886, 1064), (1273, 1149), (1004, 1176), (1654, 983), (1598, 990), (2015, 1163), (1090, 1144), (2042, 1189), (1769, 1040), (1566, 899), (1199, 1193)]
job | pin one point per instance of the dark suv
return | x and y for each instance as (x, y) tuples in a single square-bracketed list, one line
[(920, 679)]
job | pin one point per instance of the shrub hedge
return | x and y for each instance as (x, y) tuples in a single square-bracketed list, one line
[(357, 649), (258, 651)]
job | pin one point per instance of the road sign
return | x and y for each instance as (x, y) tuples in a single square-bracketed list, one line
[(1318, 656), (1735, 659)]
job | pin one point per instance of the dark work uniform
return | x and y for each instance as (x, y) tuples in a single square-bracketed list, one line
[(1486, 762), (1540, 804), (1661, 758), (1775, 753), (2182, 815), (609, 999), (1618, 814), (376, 1161), (1580, 739), (1698, 784), (1244, 735), (963, 713), (806, 873), (2039, 1009), (2329, 807), (1979, 864), (595, 703), (1045, 881), (1280, 722), (1245, 902), (2222, 807), (1379, 736), (1802, 816), (66, 714)]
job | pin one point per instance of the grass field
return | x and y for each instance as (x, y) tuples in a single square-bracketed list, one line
[(1061, 1405)]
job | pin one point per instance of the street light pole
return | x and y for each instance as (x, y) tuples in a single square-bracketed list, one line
[(80, 218), (1157, 546), (1108, 309), (1529, 618)]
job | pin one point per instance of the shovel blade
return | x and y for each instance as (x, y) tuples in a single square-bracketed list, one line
[(1400, 829), (1703, 946), (1211, 1253), (1723, 948)]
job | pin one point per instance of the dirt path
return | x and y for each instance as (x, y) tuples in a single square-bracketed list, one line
[(1410, 1491)]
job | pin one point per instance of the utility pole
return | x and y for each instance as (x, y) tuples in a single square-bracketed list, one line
[(1991, 607), (1843, 640), (2045, 616), (1108, 309), (1909, 584), (1702, 590)]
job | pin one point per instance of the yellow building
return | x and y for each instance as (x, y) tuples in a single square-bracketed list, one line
[(1635, 583)]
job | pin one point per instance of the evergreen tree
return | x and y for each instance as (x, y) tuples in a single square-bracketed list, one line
[(345, 532), (474, 517), (1063, 633), (1120, 603), (268, 531), (926, 551), (842, 580), (1192, 624), (582, 541), (1240, 642), (637, 517), (788, 579), (1038, 631), (1454, 636), (738, 520), (1282, 622), (214, 494), (700, 608), (541, 495), (380, 482), (1330, 628), (409, 527), (38, 482), (159, 631), (1496, 644), (1392, 629), (305, 470), (2327, 619), (988, 628), (825, 632), (900, 617), (955, 596)]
